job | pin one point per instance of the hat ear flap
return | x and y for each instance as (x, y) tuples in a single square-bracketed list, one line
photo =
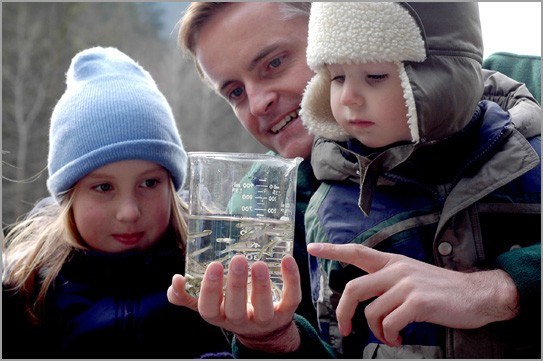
[(316, 112)]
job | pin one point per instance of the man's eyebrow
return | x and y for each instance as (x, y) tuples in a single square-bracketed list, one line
[(262, 54), (252, 65)]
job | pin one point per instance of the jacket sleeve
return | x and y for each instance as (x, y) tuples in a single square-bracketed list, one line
[(311, 345), (523, 68), (514, 97), (524, 267)]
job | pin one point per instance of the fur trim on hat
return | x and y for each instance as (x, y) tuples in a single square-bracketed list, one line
[(357, 33), (316, 113)]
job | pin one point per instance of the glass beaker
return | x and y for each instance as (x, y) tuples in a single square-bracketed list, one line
[(240, 203)]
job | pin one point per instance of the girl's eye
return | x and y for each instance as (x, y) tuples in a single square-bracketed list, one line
[(276, 63), (105, 187), (150, 183)]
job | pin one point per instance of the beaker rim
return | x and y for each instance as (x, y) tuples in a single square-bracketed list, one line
[(241, 155)]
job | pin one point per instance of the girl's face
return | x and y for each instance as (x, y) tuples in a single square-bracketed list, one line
[(123, 206), (367, 102)]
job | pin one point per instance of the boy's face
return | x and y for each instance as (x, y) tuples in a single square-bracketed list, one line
[(367, 101), (256, 60), (123, 206)]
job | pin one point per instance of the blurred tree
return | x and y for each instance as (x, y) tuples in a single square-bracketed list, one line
[(30, 84), (38, 42)]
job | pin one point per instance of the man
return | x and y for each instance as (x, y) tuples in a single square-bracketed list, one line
[(262, 78), (253, 54)]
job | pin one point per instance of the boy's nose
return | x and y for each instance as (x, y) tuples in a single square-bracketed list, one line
[(351, 95)]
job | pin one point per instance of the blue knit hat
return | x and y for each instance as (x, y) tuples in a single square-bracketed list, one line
[(111, 110)]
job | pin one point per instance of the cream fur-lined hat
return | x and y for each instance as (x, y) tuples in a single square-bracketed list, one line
[(355, 33)]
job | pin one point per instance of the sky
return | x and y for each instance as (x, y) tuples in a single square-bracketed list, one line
[(513, 27)]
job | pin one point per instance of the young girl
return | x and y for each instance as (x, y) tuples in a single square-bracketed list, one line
[(86, 275)]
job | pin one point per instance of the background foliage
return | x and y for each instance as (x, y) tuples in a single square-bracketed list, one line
[(38, 42)]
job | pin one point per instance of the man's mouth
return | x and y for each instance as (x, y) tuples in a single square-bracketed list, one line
[(286, 120)]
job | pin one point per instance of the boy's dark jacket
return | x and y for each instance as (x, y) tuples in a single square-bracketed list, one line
[(470, 203), (112, 306), (466, 196), (523, 264)]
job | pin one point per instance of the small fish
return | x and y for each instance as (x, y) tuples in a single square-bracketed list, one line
[(247, 246), (204, 233), (200, 251)]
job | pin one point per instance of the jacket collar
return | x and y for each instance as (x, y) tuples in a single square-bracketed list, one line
[(339, 161)]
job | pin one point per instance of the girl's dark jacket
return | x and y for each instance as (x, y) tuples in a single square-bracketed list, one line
[(112, 306)]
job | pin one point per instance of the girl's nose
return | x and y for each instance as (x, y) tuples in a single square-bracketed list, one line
[(128, 209)]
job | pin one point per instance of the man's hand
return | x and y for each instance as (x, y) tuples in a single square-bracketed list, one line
[(260, 325), (409, 290)]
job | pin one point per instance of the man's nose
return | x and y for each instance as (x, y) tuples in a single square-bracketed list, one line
[(261, 100)]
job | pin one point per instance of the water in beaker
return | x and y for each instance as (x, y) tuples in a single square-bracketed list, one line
[(240, 203)]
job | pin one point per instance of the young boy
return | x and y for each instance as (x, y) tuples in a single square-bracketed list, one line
[(413, 163)]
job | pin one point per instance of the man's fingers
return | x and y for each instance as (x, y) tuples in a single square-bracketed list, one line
[(292, 290), (211, 293), (178, 296), (236, 289), (365, 258), (261, 293)]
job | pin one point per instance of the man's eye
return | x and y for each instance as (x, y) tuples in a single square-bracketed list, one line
[(236, 93), (103, 187)]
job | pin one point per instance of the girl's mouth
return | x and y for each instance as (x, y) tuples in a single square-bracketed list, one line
[(128, 238)]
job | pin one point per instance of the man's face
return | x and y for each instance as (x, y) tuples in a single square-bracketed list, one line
[(256, 60)]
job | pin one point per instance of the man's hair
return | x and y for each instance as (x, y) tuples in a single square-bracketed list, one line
[(199, 13)]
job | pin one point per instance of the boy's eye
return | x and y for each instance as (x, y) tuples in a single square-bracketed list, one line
[(103, 187), (377, 76), (338, 78)]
